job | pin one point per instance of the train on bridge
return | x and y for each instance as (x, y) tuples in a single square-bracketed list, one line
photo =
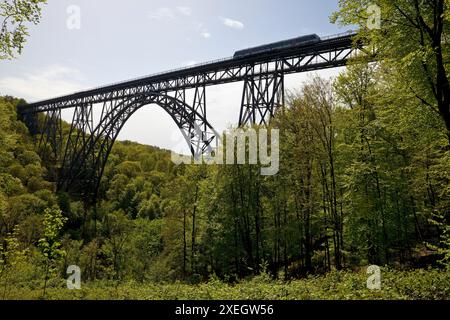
[(83, 155), (280, 45)]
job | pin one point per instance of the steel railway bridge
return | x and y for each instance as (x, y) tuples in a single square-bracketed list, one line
[(80, 157)]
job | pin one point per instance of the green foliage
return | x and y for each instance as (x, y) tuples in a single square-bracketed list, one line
[(16, 14), (363, 179), (50, 244), (336, 285), (445, 246), (10, 256), (412, 42)]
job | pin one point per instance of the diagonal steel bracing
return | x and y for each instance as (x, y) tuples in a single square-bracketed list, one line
[(50, 141), (82, 156), (83, 167), (263, 95)]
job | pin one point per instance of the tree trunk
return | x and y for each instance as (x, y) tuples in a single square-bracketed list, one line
[(193, 244), (184, 244)]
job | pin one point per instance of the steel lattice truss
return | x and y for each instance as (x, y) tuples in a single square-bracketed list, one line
[(82, 156)]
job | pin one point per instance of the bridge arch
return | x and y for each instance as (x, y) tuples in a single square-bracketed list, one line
[(83, 163)]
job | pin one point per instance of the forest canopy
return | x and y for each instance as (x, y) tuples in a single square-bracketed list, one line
[(364, 179)]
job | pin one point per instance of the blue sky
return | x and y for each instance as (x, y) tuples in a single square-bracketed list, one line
[(119, 40)]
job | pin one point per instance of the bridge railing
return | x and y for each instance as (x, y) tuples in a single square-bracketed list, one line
[(343, 34), (163, 72), (339, 35), (156, 74)]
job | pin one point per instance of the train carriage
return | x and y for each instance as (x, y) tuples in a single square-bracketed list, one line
[(285, 44)]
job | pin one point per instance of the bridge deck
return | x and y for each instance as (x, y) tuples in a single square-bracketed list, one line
[(330, 52)]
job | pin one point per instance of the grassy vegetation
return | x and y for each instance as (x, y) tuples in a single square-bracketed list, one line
[(337, 285), (363, 178)]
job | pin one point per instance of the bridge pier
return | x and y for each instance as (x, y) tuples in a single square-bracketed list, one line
[(88, 148), (51, 136), (198, 125), (31, 120), (81, 128), (263, 95)]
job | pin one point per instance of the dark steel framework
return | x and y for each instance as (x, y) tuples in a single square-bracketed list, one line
[(83, 154)]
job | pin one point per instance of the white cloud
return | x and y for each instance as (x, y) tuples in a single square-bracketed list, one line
[(187, 11), (234, 24), (52, 81), (205, 34), (189, 63), (203, 31), (166, 13), (162, 14)]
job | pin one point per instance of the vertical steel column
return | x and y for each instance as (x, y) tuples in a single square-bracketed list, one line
[(263, 95), (51, 136), (31, 120), (198, 128), (180, 95), (199, 104), (81, 128)]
